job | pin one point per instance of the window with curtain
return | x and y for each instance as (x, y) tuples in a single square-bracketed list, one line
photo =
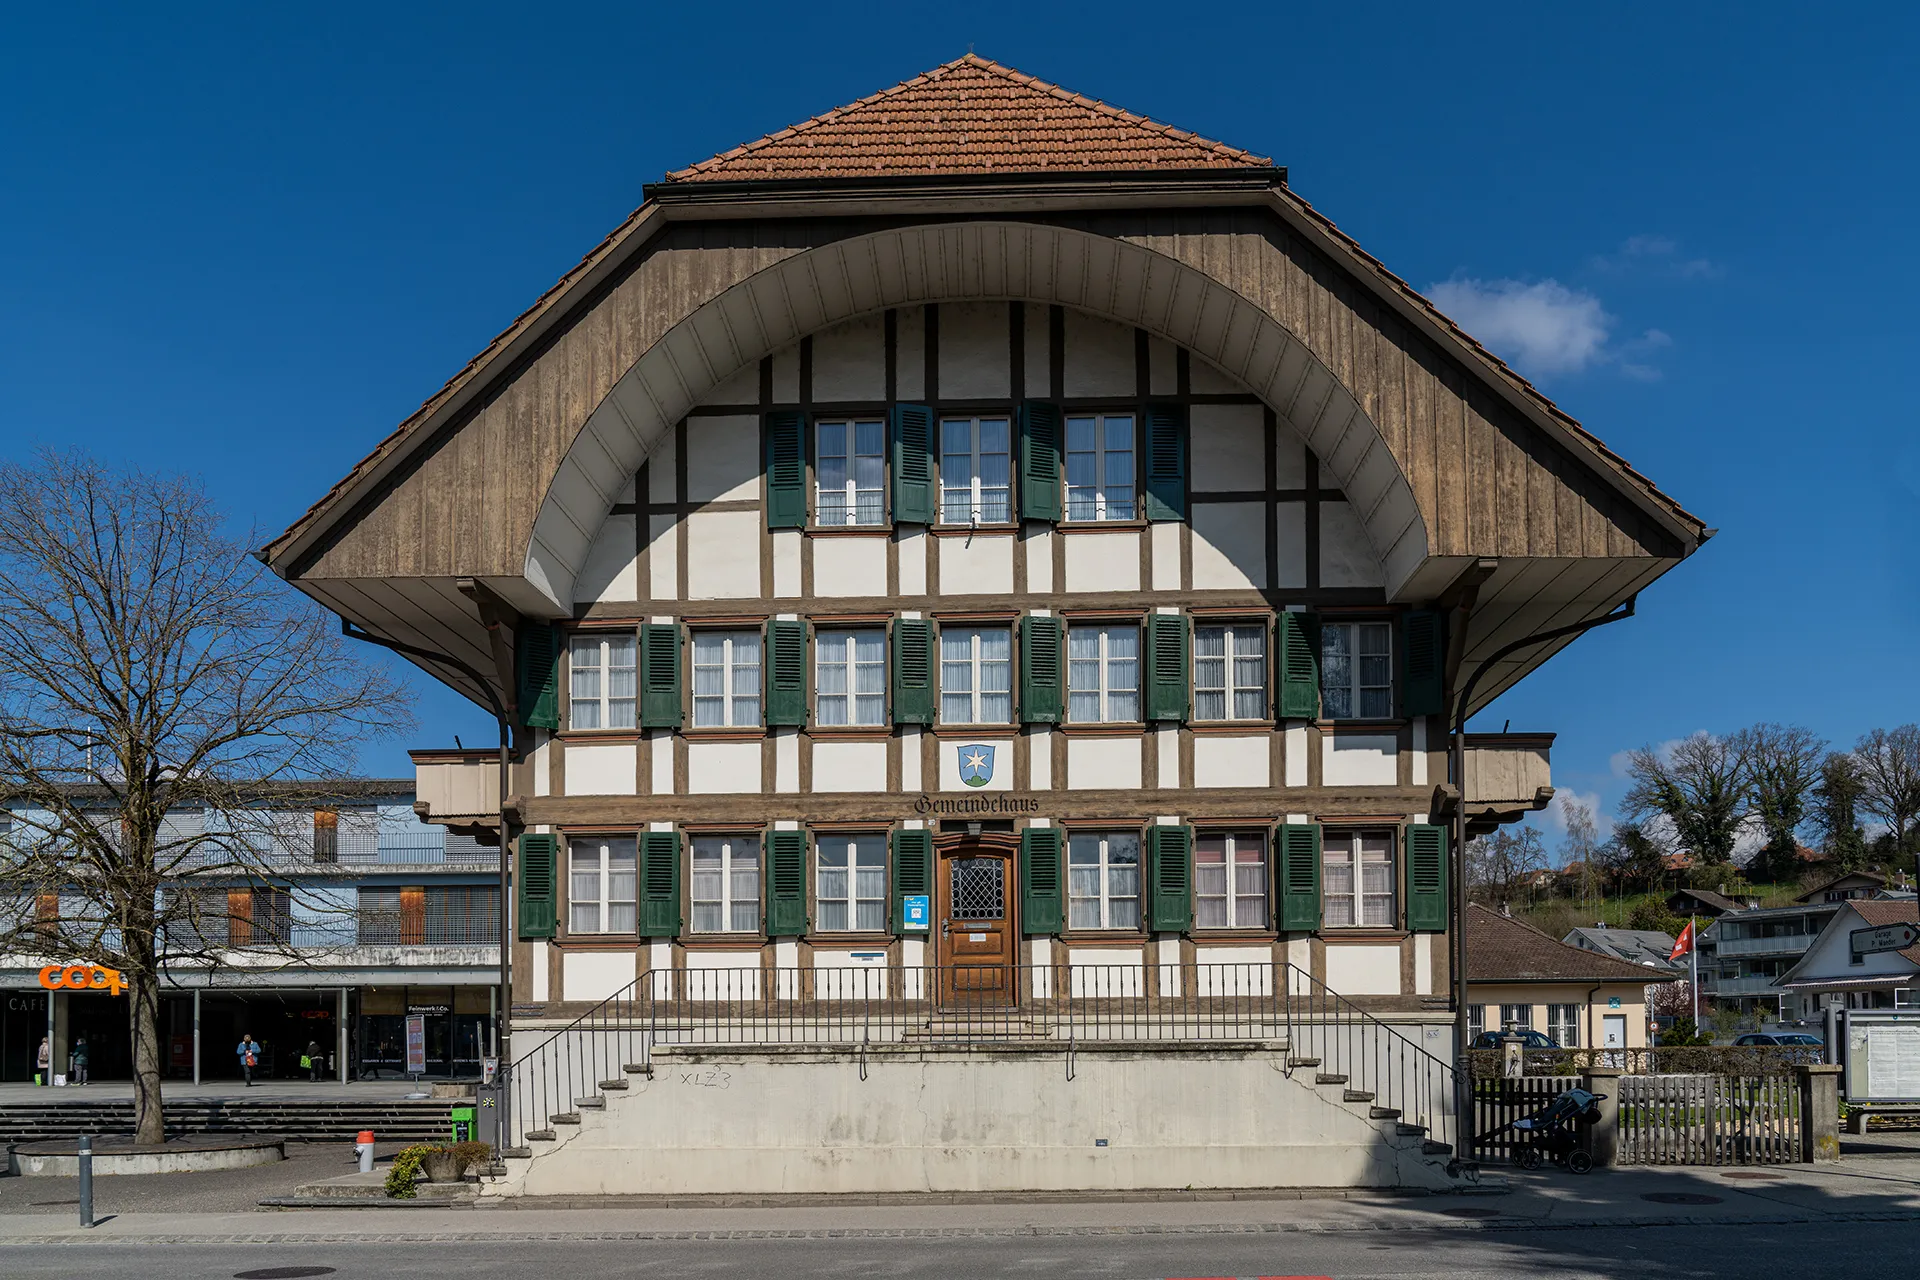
[(1357, 879), (850, 884), (600, 885), (850, 677), (1103, 880), (976, 675), (726, 884), (1230, 880), (975, 469), (1563, 1025), (1100, 467), (603, 681), (1230, 671), (726, 679), (849, 467), (1103, 674), (1356, 670)]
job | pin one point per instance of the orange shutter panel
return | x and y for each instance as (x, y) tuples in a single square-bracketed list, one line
[(413, 915), (239, 917)]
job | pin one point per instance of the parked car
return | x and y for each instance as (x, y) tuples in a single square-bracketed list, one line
[(1798, 1039), (1528, 1039)]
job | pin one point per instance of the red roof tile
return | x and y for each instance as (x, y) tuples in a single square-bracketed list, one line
[(970, 116), (1502, 949)]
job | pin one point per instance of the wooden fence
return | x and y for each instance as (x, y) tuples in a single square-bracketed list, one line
[(1710, 1120), (1498, 1102)]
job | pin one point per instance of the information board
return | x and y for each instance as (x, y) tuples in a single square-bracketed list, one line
[(416, 1045)]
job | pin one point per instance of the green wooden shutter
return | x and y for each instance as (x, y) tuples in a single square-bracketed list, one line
[(912, 464), (1170, 873), (1041, 435), (912, 871), (1167, 672), (1040, 880), (660, 675), (537, 654), (536, 912), (786, 672), (1166, 462), (786, 470), (1297, 640), (786, 884), (659, 884), (1042, 674), (1423, 648), (912, 671), (1426, 878), (1299, 879)]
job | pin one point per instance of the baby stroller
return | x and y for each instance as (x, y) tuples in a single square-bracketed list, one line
[(1548, 1134)]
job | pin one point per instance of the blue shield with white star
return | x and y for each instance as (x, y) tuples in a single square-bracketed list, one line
[(976, 765)]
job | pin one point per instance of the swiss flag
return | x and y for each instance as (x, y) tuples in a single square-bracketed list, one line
[(1684, 943)]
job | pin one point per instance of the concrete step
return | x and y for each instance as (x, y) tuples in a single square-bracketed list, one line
[(613, 1084), (1383, 1113), (311, 1120), (1327, 1078), (539, 1135), (593, 1104), (565, 1117), (517, 1153), (1406, 1130), (1356, 1095), (1302, 1062), (962, 1029), (1433, 1148), (639, 1069)]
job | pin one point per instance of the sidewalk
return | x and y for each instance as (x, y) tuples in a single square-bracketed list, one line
[(1871, 1189)]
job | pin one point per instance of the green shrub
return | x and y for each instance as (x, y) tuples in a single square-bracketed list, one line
[(471, 1155), (405, 1172)]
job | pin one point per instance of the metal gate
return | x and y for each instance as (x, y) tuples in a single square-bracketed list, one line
[(1710, 1120)]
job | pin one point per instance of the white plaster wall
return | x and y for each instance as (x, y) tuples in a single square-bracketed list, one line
[(1038, 544), (1359, 760), (1423, 946), (722, 975), (1163, 366), (723, 458), (1164, 538), (1040, 759), (1103, 561), (1103, 764), (1227, 447), (849, 566), (1346, 557), (723, 554), (663, 566), (912, 557), (660, 752), (953, 745), (1099, 357), (662, 471), (1356, 970), (611, 571), (850, 766), (595, 975), (1290, 458), (540, 973), (974, 352), (910, 353), (718, 768), (1229, 546), (786, 760), (786, 375), (850, 361), (1242, 971), (1103, 971), (787, 545), (1232, 762), (602, 768), (980, 565), (1290, 544), (842, 974)]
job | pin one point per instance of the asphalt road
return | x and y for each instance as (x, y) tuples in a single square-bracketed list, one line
[(1808, 1252)]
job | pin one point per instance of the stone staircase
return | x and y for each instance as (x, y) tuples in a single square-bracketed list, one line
[(302, 1120)]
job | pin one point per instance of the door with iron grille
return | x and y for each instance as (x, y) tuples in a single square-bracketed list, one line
[(976, 935)]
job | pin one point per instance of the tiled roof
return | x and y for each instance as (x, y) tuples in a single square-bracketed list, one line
[(1632, 945), (1707, 897), (1502, 949), (1879, 912), (970, 116), (1866, 878)]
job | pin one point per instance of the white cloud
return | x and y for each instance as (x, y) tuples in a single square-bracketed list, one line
[(1660, 255), (1543, 327), (1554, 818)]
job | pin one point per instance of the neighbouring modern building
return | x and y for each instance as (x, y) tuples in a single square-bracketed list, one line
[(1579, 997), (353, 916), (1832, 974), (1648, 947), (1744, 951), (985, 533)]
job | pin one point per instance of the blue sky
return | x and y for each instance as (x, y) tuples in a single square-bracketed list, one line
[(248, 241)]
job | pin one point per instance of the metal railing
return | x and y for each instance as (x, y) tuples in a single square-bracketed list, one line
[(1047, 1008)]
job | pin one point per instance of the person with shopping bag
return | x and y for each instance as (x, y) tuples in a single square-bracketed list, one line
[(249, 1054)]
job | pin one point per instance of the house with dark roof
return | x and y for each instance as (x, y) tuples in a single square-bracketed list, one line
[(1831, 973), (1649, 947), (1581, 998), (978, 546)]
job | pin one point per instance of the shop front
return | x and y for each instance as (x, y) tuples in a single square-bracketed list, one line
[(23, 1023), (436, 1031)]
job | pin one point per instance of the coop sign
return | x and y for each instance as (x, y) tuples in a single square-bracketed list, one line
[(81, 977)]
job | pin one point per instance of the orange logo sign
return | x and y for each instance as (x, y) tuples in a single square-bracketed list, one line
[(80, 977)]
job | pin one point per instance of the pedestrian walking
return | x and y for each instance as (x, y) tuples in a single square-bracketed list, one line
[(43, 1065), (249, 1054), (312, 1060), (77, 1068)]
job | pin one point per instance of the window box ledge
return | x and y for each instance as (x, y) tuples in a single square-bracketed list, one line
[(968, 530), (1331, 934), (850, 732), (721, 733), (1219, 728), (1133, 729), (830, 942), (851, 531), (1101, 526), (720, 942)]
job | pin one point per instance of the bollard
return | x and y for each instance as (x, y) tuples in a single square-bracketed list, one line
[(86, 1180), (364, 1145)]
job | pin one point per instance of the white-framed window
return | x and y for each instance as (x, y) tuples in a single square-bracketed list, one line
[(1563, 1025), (1103, 880), (850, 883), (726, 678), (1356, 670), (850, 677), (1230, 671), (1101, 475), (1357, 879), (1230, 880), (725, 884), (600, 884), (976, 469), (976, 675), (850, 470), (1476, 1021), (1516, 1017), (603, 681), (1103, 674)]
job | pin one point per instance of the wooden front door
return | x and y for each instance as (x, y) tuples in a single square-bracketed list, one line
[(974, 888)]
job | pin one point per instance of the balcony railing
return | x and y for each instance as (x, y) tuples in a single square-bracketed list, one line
[(1740, 986), (351, 929), (1785, 945)]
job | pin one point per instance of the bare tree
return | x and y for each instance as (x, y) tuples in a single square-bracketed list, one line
[(1783, 768), (149, 669), (1887, 763), (1837, 812), (1700, 787), (1583, 846), (1633, 858), (1501, 866)]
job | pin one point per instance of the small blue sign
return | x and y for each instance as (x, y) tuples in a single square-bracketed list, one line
[(916, 911), (1613, 1002), (976, 764)]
